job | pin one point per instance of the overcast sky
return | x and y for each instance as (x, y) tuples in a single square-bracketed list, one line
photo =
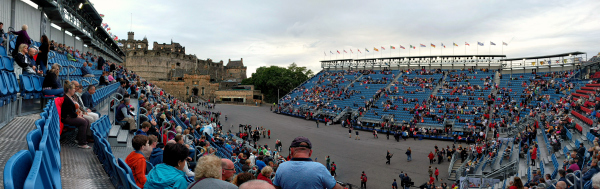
[(278, 33)]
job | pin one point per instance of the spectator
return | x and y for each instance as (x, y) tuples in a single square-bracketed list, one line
[(104, 79), (242, 178), (170, 173), (87, 99), (300, 171), (86, 70), (265, 174), (143, 129), (2, 38), (22, 59), (260, 163), (31, 52), (363, 180), (123, 114), (136, 160), (256, 184), (559, 185), (87, 113), (228, 170), (592, 171), (51, 84), (596, 181), (121, 90), (42, 58), (70, 115), (209, 174), (100, 63), (156, 157), (22, 38), (517, 184)]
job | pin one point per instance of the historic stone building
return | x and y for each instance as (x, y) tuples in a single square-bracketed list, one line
[(185, 76)]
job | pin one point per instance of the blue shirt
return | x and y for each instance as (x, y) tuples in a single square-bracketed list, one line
[(260, 165), (140, 132), (303, 173), (85, 70)]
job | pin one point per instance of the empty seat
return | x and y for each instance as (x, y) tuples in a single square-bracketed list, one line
[(16, 169)]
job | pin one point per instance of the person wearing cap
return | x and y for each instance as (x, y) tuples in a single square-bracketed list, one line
[(301, 171)]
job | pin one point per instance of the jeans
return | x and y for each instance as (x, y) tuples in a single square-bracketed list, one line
[(409, 158), (55, 92)]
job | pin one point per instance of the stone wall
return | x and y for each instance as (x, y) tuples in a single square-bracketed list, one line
[(247, 95)]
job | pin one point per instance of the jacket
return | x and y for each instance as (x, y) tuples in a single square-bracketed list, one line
[(156, 157), (590, 173), (137, 163), (262, 177), (22, 38), (87, 100), (68, 109), (51, 81), (164, 176)]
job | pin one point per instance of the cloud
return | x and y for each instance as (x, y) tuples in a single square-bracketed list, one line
[(281, 32)]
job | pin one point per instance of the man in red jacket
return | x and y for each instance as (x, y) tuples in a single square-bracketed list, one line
[(136, 161), (431, 156)]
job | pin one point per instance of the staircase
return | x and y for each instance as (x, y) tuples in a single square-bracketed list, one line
[(393, 81)]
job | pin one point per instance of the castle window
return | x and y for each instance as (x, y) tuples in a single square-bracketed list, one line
[(178, 64), (139, 46), (128, 46), (134, 53)]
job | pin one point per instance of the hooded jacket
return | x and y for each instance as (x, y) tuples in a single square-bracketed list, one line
[(165, 176), (137, 163), (156, 157)]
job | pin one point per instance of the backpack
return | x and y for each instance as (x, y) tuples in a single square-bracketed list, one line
[(363, 178), (333, 167)]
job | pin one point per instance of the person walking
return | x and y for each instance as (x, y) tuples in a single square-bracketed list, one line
[(349, 132), (387, 134), (363, 180), (533, 155), (327, 160), (357, 137), (375, 134), (316, 120), (408, 153), (436, 173), (394, 185), (430, 157), (333, 168), (388, 156), (430, 171)]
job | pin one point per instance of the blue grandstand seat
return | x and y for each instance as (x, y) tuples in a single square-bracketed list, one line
[(26, 85), (15, 83), (123, 183), (38, 176), (8, 63), (149, 167), (3, 90), (16, 169), (3, 51), (8, 83), (33, 140), (51, 158)]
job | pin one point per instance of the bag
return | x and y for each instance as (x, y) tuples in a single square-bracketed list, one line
[(333, 168), (363, 178)]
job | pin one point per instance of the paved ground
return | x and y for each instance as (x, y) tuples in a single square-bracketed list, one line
[(351, 156)]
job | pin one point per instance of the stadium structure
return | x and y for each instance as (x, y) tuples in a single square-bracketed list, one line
[(463, 94)]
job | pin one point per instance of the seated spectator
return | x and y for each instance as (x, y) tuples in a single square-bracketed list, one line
[(169, 174), (23, 61), (123, 114), (71, 115), (265, 174), (208, 174), (86, 71), (592, 171), (122, 89), (87, 113), (228, 170), (242, 178), (2, 38), (87, 99), (136, 160), (51, 84), (257, 184), (156, 157), (301, 171), (104, 79)]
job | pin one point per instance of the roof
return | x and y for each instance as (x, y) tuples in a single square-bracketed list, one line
[(237, 63), (428, 56), (547, 56)]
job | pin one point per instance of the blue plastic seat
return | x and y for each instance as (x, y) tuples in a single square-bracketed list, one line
[(123, 183), (16, 170), (8, 63), (51, 158), (37, 82), (38, 176), (33, 139)]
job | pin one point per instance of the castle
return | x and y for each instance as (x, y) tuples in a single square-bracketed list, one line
[(186, 76)]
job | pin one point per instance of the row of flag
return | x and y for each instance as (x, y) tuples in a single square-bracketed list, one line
[(415, 47), (107, 28)]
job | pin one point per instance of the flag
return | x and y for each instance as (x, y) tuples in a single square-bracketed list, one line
[(107, 29), (466, 44), (432, 45), (492, 43), (351, 51), (541, 62), (504, 43), (412, 47), (101, 15), (338, 52), (331, 52), (392, 47), (116, 38), (423, 45), (479, 43), (359, 51), (375, 49), (120, 44), (366, 49), (402, 47), (443, 45), (345, 51), (382, 48), (455, 44)]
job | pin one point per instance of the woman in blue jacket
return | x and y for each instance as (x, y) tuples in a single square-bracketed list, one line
[(169, 174)]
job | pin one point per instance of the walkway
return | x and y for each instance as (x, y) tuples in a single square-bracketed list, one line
[(12, 138)]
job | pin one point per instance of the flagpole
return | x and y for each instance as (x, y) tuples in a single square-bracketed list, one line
[(453, 47), (502, 47), (477, 47), (490, 49)]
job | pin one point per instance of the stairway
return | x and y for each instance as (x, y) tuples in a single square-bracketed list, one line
[(455, 167), (393, 81)]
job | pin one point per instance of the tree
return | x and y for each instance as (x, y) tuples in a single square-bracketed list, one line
[(270, 79)]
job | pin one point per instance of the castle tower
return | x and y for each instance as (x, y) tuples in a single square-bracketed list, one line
[(130, 35)]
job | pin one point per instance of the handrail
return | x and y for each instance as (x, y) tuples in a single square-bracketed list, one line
[(69, 74), (452, 162), (83, 80), (98, 82), (117, 100)]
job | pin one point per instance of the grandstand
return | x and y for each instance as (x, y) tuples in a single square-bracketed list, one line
[(461, 96)]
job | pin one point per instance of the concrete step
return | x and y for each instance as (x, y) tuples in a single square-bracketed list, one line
[(113, 133), (122, 138)]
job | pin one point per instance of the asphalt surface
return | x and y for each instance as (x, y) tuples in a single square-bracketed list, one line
[(351, 156)]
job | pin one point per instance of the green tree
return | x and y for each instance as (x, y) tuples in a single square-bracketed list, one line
[(270, 79)]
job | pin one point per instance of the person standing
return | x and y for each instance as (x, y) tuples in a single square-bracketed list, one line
[(363, 180), (375, 134), (349, 132), (42, 57), (387, 134), (533, 155), (327, 160), (317, 120), (437, 173), (394, 185), (430, 157), (22, 38), (408, 154), (333, 168), (357, 137), (388, 156)]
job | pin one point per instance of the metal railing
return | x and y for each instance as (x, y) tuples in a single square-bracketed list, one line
[(452, 162)]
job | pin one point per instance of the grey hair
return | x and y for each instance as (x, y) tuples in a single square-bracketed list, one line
[(596, 181)]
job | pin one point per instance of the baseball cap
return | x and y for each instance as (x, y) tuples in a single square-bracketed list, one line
[(297, 142)]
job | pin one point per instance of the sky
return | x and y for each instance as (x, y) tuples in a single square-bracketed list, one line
[(279, 33)]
